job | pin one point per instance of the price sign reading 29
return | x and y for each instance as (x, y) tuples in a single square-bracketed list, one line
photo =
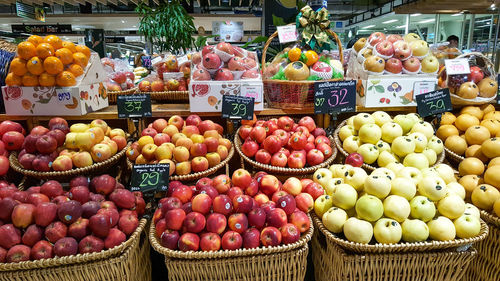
[(148, 177), (338, 96)]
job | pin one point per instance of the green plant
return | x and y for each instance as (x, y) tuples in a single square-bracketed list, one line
[(201, 41), (168, 26)]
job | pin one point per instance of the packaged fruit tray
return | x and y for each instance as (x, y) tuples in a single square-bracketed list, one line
[(56, 175), (402, 246)]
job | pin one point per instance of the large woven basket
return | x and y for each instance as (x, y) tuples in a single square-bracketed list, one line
[(168, 96), (113, 95), (284, 262), (62, 175), (128, 262), (292, 94), (368, 167)]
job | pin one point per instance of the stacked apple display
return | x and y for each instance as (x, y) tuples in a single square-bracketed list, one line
[(45, 221), (11, 139), (62, 148), (233, 213), (390, 141), (402, 204), (395, 54), (170, 76), (188, 146)]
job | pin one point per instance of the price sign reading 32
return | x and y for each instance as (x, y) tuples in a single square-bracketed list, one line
[(339, 96)]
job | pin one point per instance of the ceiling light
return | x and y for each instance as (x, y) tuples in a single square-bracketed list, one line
[(369, 26), (426, 21), (401, 26), (123, 21), (457, 14), (134, 26), (416, 15), (390, 21), (5, 24)]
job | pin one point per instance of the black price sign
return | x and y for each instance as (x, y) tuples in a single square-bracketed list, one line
[(234, 107), (150, 177), (338, 96), (434, 102), (130, 106)]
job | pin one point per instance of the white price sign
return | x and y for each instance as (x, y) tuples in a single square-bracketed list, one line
[(182, 60), (422, 87), (287, 33), (457, 66)]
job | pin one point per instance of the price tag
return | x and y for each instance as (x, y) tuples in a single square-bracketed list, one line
[(134, 106), (150, 177), (64, 96), (287, 33), (156, 60), (235, 107), (422, 87), (338, 96), (457, 66), (182, 60), (434, 102)]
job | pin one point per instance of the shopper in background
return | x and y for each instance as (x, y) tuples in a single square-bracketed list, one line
[(453, 40)]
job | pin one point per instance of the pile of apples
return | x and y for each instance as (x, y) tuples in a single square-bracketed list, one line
[(394, 54), (188, 146), (281, 142), (377, 137), (232, 213), (62, 148), (224, 62), (11, 139), (402, 204), (46, 221), (158, 85)]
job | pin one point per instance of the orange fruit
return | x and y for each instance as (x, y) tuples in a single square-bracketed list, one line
[(35, 40), (76, 69), (18, 66), (30, 80), (311, 57), (83, 49), (69, 45), (53, 40), (65, 55), (80, 59), (46, 80), (294, 54), (65, 79), (53, 65), (13, 80), (35, 66), (26, 50), (44, 50)]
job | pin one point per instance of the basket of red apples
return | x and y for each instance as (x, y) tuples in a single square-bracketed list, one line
[(11, 139), (194, 148), (55, 231), (62, 152), (280, 145), (250, 222)]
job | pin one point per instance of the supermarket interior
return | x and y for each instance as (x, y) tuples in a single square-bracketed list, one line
[(277, 140)]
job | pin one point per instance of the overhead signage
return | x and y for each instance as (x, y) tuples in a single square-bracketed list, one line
[(30, 12), (42, 29)]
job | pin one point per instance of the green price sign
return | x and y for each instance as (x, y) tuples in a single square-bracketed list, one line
[(235, 107), (130, 106), (150, 177)]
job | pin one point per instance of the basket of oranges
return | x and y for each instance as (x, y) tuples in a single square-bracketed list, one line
[(47, 61)]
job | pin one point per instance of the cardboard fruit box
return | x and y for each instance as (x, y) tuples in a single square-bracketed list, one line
[(87, 96)]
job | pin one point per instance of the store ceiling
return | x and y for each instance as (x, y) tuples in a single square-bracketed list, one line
[(448, 6)]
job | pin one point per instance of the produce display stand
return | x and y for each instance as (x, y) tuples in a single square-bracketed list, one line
[(113, 95)]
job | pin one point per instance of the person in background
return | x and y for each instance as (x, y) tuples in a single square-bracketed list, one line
[(453, 40)]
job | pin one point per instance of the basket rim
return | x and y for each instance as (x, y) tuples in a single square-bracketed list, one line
[(162, 93), (453, 156), (401, 246), (79, 258), (307, 82), (282, 170), (195, 255), (197, 175), (16, 166), (125, 92), (490, 218), (338, 143)]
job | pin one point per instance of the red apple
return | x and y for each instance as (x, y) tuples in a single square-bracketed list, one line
[(279, 159), (202, 203), (55, 231), (315, 157), (234, 191), (285, 123), (276, 217), (325, 149), (354, 159), (304, 202), (242, 203), (222, 183), (251, 238), (90, 244), (289, 233), (296, 160), (23, 215), (270, 126), (169, 239), (300, 220), (175, 219), (104, 184), (249, 148), (241, 178), (183, 193), (216, 223), (269, 184), (13, 140), (258, 134), (189, 242), (194, 222), (231, 240), (270, 236), (193, 119), (68, 212), (222, 204), (315, 190), (100, 225), (42, 250), (394, 65), (238, 222), (257, 218), (18, 253), (307, 122), (287, 203), (79, 229)]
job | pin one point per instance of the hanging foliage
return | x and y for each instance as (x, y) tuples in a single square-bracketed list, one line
[(168, 27)]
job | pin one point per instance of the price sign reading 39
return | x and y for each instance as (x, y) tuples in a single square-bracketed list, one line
[(236, 107), (338, 96)]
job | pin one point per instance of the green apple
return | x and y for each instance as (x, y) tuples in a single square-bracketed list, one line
[(322, 176), (405, 122), (467, 226), (383, 146), (322, 204), (344, 196), (411, 173), (429, 172), (377, 185), (334, 219), (472, 210), (356, 178), (403, 146), (441, 229), (369, 133), (446, 173), (332, 184), (387, 231), (341, 171), (435, 144), (424, 128), (369, 207), (350, 121), (417, 160), (381, 117), (351, 144), (456, 188), (432, 187), (414, 116), (385, 158), (384, 172), (358, 231), (415, 231), (346, 131), (422, 208), (420, 141), (395, 167), (390, 131), (361, 119), (369, 153), (396, 208), (403, 187), (431, 155), (451, 206)]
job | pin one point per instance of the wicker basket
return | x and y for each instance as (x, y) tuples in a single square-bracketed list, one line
[(453, 157), (128, 262), (292, 94), (168, 96), (368, 167), (113, 95), (284, 262), (61, 175)]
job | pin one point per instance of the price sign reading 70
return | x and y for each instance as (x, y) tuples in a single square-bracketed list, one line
[(334, 97)]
